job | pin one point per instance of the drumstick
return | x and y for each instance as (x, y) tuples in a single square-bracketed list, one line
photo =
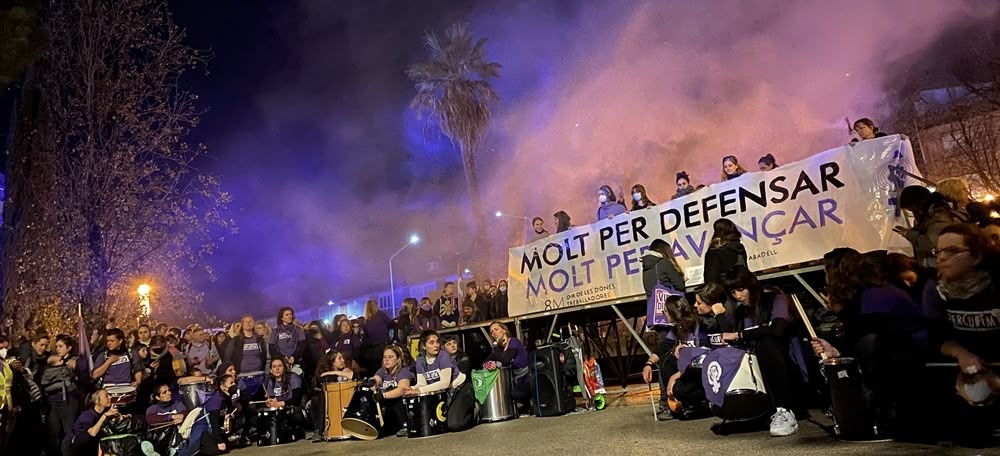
[(652, 401), (805, 321), (378, 409)]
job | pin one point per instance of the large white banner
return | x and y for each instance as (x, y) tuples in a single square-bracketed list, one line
[(843, 197)]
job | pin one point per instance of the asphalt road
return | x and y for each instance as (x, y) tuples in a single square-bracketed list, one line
[(614, 431)]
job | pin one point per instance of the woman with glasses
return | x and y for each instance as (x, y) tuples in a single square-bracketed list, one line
[(964, 308)]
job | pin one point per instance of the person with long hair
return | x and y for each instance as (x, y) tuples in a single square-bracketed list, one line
[(640, 200), (684, 187), (435, 369), (61, 392), (609, 206), (392, 380), (963, 305), (903, 272), (883, 331), (402, 325), (500, 302), (731, 168), (248, 352), (759, 319), (725, 251), (509, 351), (333, 367), (223, 414), (376, 337), (164, 412), (767, 163), (283, 388), (563, 221), (287, 338)]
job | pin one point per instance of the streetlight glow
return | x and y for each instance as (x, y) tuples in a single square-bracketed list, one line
[(144, 290), (988, 198), (499, 214), (329, 303), (414, 239)]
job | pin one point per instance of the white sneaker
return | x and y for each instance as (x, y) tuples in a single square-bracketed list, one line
[(783, 423)]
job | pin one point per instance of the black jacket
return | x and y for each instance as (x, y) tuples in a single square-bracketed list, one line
[(657, 269), (719, 260)]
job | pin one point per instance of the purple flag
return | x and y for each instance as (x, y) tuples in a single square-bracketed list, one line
[(718, 371)]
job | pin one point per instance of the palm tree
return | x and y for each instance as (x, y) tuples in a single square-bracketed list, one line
[(453, 89)]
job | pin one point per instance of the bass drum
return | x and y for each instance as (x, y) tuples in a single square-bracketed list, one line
[(426, 414), (338, 397), (363, 418)]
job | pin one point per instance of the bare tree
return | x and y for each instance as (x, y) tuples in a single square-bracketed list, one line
[(108, 191)]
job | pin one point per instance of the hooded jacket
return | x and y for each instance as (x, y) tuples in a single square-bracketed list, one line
[(719, 260), (658, 269)]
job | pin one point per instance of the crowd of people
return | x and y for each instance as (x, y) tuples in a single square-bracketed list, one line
[(147, 384), (913, 323)]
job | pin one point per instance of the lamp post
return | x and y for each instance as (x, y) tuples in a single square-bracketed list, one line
[(414, 239), (144, 308)]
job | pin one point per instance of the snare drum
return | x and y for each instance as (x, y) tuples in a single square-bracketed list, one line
[(338, 396), (274, 426), (426, 414), (193, 391), (121, 395), (363, 418)]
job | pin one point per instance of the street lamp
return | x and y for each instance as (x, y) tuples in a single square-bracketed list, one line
[(144, 308), (414, 239)]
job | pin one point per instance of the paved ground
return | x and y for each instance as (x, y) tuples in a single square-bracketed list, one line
[(614, 431)]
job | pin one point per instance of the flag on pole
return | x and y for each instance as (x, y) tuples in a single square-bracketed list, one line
[(83, 343)]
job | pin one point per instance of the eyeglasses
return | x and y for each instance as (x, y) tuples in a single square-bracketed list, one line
[(949, 251)]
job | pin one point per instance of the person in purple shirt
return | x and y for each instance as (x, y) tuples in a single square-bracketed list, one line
[(288, 339), (760, 320), (248, 352), (436, 371), (426, 319), (283, 390), (347, 341), (117, 365), (164, 413), (376, 330), (508, 351), (392, 380), (82, 440), (884, 332)]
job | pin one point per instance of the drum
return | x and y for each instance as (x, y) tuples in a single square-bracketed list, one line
[(426, 414), (363, 417), (274, 426), (193, 391), (338, 397), (853, 419), (499, 404), (734, 385), (121, 395)]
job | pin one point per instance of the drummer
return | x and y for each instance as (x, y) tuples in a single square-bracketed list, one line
[(436, 371), (392, 380), (83, 441), (248, 352), (692, 325), (283, 389), (164, 413), (201, 355), (223, 413), (508, 351), (333, 367), (117, 365)]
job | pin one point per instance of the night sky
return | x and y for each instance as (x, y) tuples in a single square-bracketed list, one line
[(309, 128)]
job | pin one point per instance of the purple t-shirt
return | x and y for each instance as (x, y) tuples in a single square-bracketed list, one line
[(159, 413), (119, 373), (432, 371), (779, 309), (281, 391), (286, 338), (390, 381), (377, 329), (251, 356)]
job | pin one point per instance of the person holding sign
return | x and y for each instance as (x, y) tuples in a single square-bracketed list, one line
[(684, 187), (640, 200), (731, 168)]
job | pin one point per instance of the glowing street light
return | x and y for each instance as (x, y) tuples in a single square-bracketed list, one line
[(413, 240), (989, 198), (499, 214), (144, 308)]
